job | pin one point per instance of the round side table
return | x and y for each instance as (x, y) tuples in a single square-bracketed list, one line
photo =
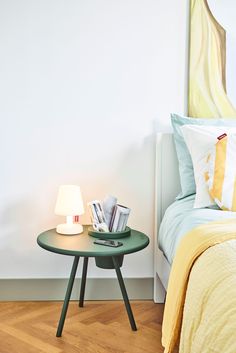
[(82, 245)]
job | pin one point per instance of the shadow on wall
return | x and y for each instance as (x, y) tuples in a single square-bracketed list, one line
[(134, 175), (130, 178), (20, 224), (16, 222)]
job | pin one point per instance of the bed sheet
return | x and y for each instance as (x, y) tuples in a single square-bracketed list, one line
[(180, 217)]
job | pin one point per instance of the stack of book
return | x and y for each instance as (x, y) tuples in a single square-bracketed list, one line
[(97, 216), (96, 212), (108, 216), (119, 218)]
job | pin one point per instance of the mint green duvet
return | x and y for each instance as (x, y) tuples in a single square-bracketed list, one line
[(180, 217)]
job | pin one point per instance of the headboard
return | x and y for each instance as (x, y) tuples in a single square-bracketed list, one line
[(167, 188), (167, 174)]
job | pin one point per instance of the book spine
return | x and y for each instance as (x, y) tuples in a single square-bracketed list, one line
[(112, 218), (116, 220), (125, 221), (120, 223)]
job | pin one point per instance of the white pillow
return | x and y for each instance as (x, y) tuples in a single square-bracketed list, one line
[(200, 140)]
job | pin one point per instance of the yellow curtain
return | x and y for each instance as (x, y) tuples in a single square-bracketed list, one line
[(207, 86)]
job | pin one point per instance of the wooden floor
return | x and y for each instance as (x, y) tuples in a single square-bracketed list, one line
[(99, 327)]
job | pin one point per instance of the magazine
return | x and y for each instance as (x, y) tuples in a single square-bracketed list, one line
[(108, 215)]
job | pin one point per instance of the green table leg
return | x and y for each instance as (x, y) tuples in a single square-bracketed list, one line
[(67, 296), (83, 282), (124, 294)]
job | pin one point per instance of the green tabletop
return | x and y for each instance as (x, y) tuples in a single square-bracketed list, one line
[(83, 244)]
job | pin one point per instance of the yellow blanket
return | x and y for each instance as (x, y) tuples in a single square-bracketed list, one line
[(191, 247)]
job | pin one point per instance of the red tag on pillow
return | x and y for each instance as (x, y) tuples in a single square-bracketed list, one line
[(221, 136)]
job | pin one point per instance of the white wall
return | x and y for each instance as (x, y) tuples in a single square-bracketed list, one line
[(84, 86)]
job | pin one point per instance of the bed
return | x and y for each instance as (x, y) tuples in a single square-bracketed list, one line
[(174, 219)]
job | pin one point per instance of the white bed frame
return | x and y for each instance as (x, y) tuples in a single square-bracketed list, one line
[(167, 188)]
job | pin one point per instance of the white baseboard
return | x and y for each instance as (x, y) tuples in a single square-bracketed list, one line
[(54, 289)]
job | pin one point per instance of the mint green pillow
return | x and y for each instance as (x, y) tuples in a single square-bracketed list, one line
[(186, 173)]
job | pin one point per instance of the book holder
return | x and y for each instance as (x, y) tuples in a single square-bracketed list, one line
[(109, 235)]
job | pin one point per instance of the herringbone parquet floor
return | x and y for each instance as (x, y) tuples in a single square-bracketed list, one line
[(99, 327)]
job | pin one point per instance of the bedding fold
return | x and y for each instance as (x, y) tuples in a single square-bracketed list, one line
[(209, 316), (192, 245)]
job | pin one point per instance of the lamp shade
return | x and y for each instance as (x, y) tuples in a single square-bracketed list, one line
[(69, 201)]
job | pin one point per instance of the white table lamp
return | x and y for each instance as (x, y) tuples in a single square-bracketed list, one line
[(69, 203)]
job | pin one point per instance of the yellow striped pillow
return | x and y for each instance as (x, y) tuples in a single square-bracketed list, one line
[(221, 172)]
